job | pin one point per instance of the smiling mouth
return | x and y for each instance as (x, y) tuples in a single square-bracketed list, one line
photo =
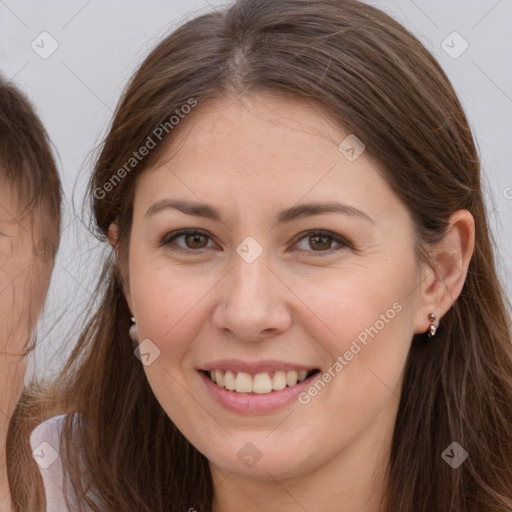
[(260, 383)]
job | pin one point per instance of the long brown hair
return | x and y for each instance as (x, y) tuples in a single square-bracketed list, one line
[(378, 81), (27, 164)]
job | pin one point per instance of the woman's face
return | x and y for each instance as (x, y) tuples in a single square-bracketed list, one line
[(24, 278), (255, 290)]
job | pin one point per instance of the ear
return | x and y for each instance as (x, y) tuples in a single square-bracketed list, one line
[(113, 234), (442, 284), (113, 237)]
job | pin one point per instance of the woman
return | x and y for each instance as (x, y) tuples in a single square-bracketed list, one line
[(301, 255), (30, 197)]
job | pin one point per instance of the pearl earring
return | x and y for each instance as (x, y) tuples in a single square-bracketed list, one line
[(133, 333), (433, 328)]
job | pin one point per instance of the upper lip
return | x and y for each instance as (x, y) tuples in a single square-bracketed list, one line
[(237, 365)]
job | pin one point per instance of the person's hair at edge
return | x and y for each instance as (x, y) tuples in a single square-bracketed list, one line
[(28, 167), (379, 82)]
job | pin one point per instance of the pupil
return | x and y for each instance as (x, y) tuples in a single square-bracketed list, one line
[(194, 240), (326, 243)]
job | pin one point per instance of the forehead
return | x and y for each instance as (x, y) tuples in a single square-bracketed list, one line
[(261, 122), (266, 150)]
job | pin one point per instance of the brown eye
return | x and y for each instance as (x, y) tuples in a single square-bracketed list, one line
[(321, 242), (194, 240)]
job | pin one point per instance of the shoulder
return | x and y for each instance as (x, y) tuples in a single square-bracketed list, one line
[(45, 445)]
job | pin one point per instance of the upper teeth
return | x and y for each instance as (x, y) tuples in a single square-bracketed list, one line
[(261, 383)]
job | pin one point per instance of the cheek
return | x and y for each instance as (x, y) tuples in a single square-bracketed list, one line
[(11, 383), (170, 305), (15, 312), (359, 304), (24, 282), (173, 303), (364, 321), (16, 300)]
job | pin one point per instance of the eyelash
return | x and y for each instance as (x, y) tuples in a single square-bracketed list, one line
[(170, 237)]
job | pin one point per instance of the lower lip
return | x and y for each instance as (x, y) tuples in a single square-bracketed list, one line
[(251, 403)]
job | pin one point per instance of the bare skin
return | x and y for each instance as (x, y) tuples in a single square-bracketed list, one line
[(24, 279), (301, 301)]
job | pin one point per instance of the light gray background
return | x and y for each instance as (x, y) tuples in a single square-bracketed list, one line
[(101, 42)]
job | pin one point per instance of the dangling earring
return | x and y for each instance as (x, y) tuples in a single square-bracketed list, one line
[(432, 329), (134, 334)]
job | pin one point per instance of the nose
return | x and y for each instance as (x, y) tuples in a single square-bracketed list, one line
[(254, 302)]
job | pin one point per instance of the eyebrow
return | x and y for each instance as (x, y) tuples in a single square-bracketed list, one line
[(284, 216)]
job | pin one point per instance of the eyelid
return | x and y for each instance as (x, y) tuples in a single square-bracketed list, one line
[(324, 232), (344, 243), (170, 237)]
